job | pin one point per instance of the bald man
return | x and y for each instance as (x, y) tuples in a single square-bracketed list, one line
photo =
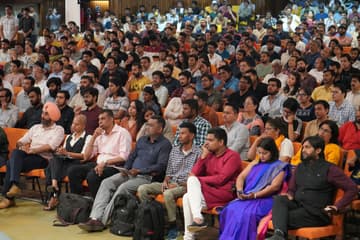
[(70, 154), (34, 150)]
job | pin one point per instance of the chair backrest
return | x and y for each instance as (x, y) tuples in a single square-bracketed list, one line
[(13, 135), (133, 96), (220, 118), (350, 154), (337, 220)]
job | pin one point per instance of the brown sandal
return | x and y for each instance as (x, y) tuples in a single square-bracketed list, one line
[(52, 204)]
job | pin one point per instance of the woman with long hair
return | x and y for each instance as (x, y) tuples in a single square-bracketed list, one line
[(255, 187), (117, 102), (134, 119), (250, 118), (329, 132), (292, 84), (150, 99)]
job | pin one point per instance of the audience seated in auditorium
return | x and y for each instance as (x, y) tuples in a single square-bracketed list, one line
[(34, 150), (148, 160)]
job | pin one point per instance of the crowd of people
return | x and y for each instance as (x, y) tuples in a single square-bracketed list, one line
[(175, 100)]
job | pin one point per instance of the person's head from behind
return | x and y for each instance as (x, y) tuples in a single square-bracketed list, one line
[(78, 124), (272, 128), (156, 125), (106, 119), (230, 113), (187, 132), (267, 150), (329, 131), (312, 149), (34, 95), (216, 140), (190, 108), (90, 96)]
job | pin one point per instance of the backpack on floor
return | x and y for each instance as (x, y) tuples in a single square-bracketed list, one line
[(72, 209), (123, 215), (149, 223)]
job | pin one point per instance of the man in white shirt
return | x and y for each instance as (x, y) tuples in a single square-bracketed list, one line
[(318, 71), (9, 25), (214, 58), (277, 73)]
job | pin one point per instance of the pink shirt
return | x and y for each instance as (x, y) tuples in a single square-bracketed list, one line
[(115, 144), (39, 136)]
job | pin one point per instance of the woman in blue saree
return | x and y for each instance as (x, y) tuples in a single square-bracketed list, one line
[(255, 186)]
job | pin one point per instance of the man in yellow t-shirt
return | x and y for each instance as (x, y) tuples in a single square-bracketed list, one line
[(324, 92), (137, 80)]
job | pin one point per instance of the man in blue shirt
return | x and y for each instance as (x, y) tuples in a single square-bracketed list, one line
[(148, 160)]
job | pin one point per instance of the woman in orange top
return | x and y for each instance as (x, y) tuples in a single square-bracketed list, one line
[(134, 119)]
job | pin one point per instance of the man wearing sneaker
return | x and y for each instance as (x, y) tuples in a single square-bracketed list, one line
[(182, 158), (210, 182), (148, 160), (309, 201), (34, 150)]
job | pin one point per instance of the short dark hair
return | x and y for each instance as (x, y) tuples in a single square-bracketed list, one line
[(324, 103), (53, 80), (190, 126), (186, 74), (273, 123), (219, 134), (159, 73), (90, 79), (275, 80), (66, 94), (340, 86), (292, 104), (160, 120), (36, 90), (107, 112), (92, 91), (193, 104), (269, 144), (234, 108), (202, 95), (316, 142), (32, 80), (226, 68), (169, 66)]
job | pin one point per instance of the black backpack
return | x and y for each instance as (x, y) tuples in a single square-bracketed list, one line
[(149, 223), (72, 209), (123, 214)]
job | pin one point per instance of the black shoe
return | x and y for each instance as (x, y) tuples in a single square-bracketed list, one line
[(278, 235), (195, 227), (92, 226)]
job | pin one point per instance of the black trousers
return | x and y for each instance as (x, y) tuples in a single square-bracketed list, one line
[(288, 214), (20, 162), (78, 173), (58, 168)]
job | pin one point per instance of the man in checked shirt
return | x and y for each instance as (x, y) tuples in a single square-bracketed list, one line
[(181, 160)]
